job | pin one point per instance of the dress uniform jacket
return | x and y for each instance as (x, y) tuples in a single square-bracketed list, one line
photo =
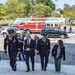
[(43, 47), (12, 44)]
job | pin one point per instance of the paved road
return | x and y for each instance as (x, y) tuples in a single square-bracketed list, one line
[(21, 67)]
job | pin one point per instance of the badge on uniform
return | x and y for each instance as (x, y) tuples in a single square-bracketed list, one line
[(7, 42), (41, 43), (14, 41), (47, 43)]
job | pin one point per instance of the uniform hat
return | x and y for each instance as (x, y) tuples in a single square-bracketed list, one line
[(44, 34), (11, 31)]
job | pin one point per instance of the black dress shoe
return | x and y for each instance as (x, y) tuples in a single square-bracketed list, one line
[(19, 59), (27, 70), (41, 68), (14, 68), (44, 69), (33, 70), (56, 70)]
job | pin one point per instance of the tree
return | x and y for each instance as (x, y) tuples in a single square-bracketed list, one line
[(33, 2), (67, 6), (28, 5), (60, 10), (56, 14), (40, 10), (73, 7), (51, 4), (2, 11), (69, 11), (47, 3), (11, 8), (69, 14), (15, 8), (25, 8)]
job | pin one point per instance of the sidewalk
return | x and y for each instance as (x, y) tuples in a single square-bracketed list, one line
[(21, 67)]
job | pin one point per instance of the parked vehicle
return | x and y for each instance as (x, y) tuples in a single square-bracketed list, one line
[(32, 25), (53, 32), (4, 31), (1, 28)]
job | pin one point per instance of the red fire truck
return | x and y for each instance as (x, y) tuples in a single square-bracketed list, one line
[(35, 24)]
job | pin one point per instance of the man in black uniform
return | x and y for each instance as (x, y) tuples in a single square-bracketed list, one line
[(12, 43), (43, 48)]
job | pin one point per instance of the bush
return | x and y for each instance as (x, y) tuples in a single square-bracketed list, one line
[(4, 24)]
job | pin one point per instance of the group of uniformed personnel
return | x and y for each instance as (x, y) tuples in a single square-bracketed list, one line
[(14, 48)]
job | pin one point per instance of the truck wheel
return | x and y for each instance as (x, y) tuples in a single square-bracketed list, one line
[(4, 34), (28, 31), (18, 34), (62, 36)]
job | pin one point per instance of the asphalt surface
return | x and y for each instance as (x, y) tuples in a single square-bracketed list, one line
[(5, 69)]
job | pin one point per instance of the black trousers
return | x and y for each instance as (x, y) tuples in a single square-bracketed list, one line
[(44, 60), (12, 56), (27, 61)]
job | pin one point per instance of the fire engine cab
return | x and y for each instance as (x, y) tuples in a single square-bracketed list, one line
[(35, 24), (53, 23)]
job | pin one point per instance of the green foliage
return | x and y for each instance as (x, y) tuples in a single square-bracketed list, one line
[(67, 6), (56, 15), (36, 8), (60, 10), (28, 4), (69, 14), (69, 11), (40, 10), (10, 6), (73, 7), (2, 11), (25, 8), (47, 3), (52, 5)]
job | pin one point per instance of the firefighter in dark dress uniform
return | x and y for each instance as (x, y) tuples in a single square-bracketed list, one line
[(43, 49), (13, 47)]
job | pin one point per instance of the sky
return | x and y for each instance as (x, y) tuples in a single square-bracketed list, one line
[(59, 3), (3, 1)]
